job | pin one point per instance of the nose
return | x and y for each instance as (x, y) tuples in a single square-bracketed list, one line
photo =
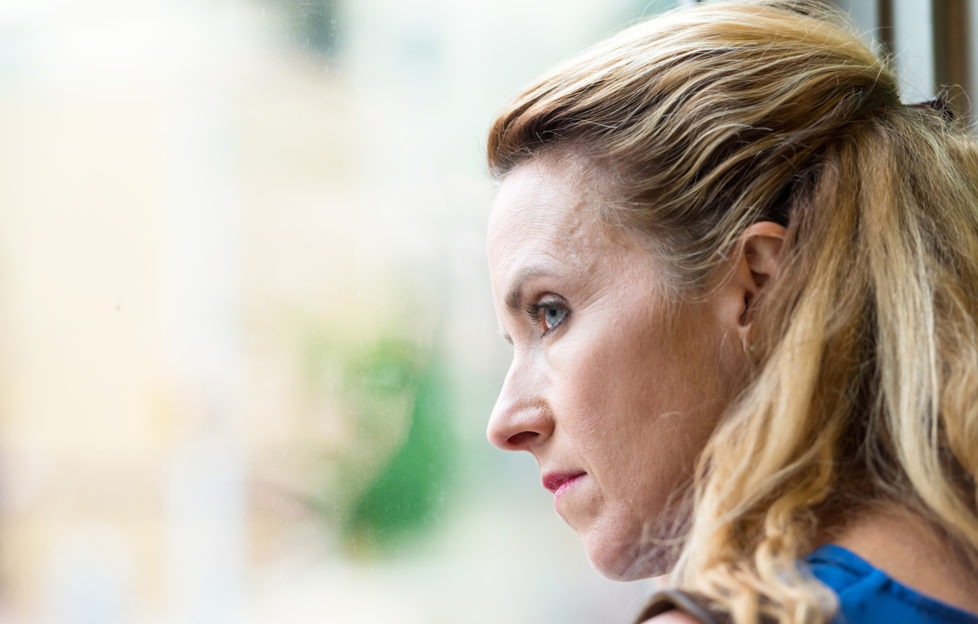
[(521, 419)]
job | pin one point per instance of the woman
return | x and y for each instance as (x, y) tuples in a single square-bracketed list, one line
[(741, 282)]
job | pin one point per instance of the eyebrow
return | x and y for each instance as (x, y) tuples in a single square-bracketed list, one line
[(514, 298)]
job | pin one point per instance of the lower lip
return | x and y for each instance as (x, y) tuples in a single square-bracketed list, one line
[(565, 486)]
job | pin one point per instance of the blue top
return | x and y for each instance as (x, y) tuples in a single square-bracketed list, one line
[(868, 596)]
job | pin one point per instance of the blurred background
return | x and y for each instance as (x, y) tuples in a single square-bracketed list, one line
[(248, 345)]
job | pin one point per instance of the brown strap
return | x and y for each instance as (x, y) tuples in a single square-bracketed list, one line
[(692, 604)]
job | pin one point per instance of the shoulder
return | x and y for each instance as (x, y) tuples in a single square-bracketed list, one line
[(675, 606)]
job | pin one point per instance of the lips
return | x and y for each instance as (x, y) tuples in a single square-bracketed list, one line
[(558, 481)]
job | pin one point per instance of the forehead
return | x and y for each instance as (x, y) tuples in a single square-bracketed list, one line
[(544, 208)]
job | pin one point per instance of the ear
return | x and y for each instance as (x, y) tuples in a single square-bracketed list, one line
[(755, 260)]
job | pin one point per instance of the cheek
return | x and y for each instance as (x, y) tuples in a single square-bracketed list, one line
[(634, 381), (648, 396), (608, 387), (582, 390)]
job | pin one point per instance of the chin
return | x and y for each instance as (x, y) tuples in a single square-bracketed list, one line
[(650, 549)]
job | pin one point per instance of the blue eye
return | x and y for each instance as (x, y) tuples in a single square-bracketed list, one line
[(552, 316), (549, 314)]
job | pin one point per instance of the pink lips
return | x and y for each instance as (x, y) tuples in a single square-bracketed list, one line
[(558, 482)]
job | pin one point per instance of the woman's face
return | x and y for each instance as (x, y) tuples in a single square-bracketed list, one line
[(611, 389)]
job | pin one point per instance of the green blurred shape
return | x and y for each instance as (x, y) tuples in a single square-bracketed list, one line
[(384, 369), (407, 498)]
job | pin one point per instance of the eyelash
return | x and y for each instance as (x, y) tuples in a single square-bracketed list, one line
[(533, 311)]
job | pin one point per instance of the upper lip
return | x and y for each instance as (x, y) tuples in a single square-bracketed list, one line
[(553, 480)]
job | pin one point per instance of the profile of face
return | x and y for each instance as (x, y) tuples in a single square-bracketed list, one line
[(613, 388)]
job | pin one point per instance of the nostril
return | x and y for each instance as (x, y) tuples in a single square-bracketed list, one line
[(521, 439)]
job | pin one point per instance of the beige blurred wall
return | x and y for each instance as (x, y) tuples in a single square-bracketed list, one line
[(190, 197)]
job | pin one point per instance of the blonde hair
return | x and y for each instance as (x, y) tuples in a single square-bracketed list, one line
[(865, 380)]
